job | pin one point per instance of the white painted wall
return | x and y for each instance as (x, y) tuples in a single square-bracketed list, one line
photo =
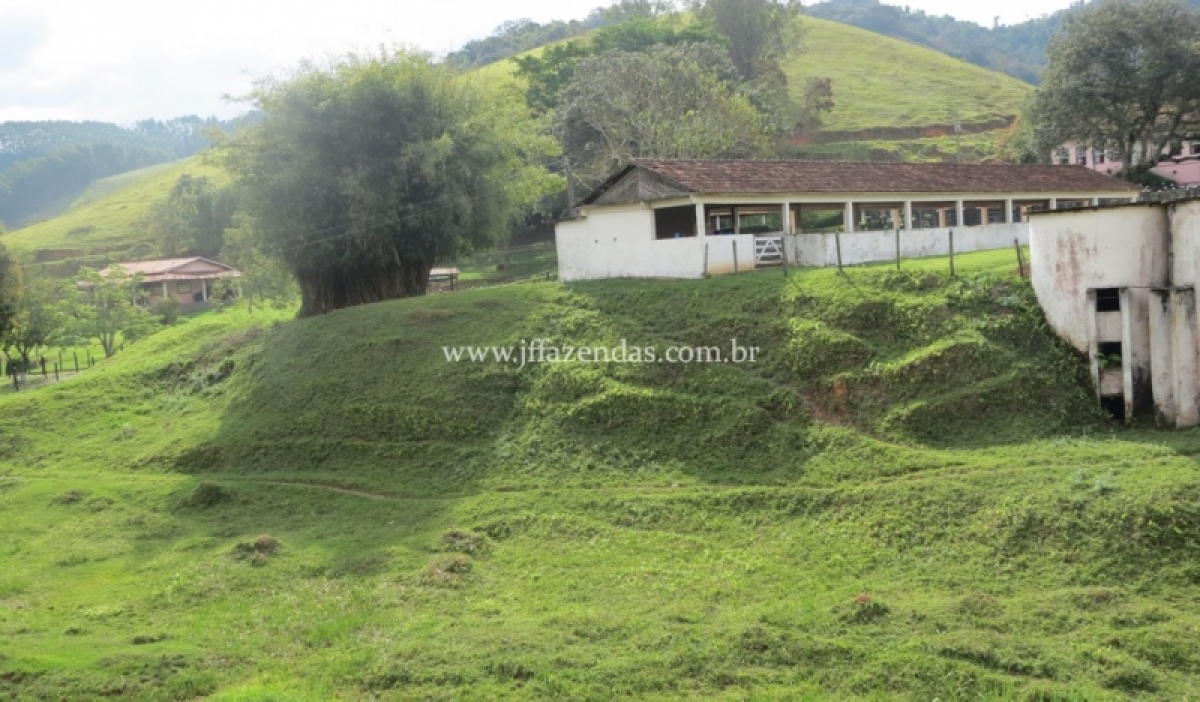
[(1185, 243), (1072, 251), (620, 243), (877, 246), (720, 252)]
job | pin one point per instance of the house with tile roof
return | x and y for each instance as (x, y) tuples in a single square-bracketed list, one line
[(660, 218), (188, 280)]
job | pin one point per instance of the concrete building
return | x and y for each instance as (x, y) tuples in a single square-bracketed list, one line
[(1119, 284), (1180, 163), (688, 219)]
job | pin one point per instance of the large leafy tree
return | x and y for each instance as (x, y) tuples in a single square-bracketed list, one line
[(40, 315), (1122, 75), (192, 219), (105, 310), (761, 33), (668, 102), (367, 171)]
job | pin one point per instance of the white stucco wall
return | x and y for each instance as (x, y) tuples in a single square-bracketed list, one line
[(1070, 252), (877, 246), (720, 252), (1185, 243), (620, 243)]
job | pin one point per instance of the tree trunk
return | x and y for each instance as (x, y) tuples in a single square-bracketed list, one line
[(326, 291)]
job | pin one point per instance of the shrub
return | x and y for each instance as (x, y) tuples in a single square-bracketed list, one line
[(69, 497), (459, 541), (167, 309), (208, 494), (447, 572)]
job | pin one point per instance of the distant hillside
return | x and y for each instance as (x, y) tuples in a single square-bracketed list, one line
[(44, 166), (882, 84), (103, 223), (1018, 49)]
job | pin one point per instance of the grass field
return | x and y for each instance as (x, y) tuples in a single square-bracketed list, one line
[(908, 496)]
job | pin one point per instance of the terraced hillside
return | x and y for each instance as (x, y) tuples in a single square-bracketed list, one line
[(908, 495)]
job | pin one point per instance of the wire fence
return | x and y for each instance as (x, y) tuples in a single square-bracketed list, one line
[(23, 374)]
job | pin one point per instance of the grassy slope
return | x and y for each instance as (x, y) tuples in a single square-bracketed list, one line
[(884, 507), (105, 219), (880, 82), (883, 82)]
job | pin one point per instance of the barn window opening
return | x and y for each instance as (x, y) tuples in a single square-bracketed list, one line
[(1115, 406), (1110, 353), (675, 222), (1108, 300)]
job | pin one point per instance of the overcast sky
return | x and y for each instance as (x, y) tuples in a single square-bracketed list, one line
[(124, 60)]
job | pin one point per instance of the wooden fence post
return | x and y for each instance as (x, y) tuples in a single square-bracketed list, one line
[(76, 355), (705, 274), (735, 261), (837, 241), (1020, 258), (951, 253), (43, 364), (897, 248), (56, 372)]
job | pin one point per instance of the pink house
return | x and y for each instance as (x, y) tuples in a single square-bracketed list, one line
[(1181, 164), (188, 280)]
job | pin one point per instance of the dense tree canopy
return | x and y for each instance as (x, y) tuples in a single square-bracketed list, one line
[(1122, 75), (192, 219), (761, 33), (367, 171), (668, 102)]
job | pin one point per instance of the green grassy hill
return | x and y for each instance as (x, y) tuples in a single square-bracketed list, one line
[(908, 496), (102, 225), (893, 100), (881, 82)]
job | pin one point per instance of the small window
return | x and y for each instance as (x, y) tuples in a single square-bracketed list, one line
[(1176, 149), (675, 222), (183, 286), (1081, 155), (1061, 157), (1097, 155), (1108, 300)]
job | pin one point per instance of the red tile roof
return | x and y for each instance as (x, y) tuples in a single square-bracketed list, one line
[(749, 176)]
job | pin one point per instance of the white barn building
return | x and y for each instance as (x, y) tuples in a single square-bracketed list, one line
[(689, 218)]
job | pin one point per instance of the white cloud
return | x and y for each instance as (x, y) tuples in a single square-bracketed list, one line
[(123, 60)]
